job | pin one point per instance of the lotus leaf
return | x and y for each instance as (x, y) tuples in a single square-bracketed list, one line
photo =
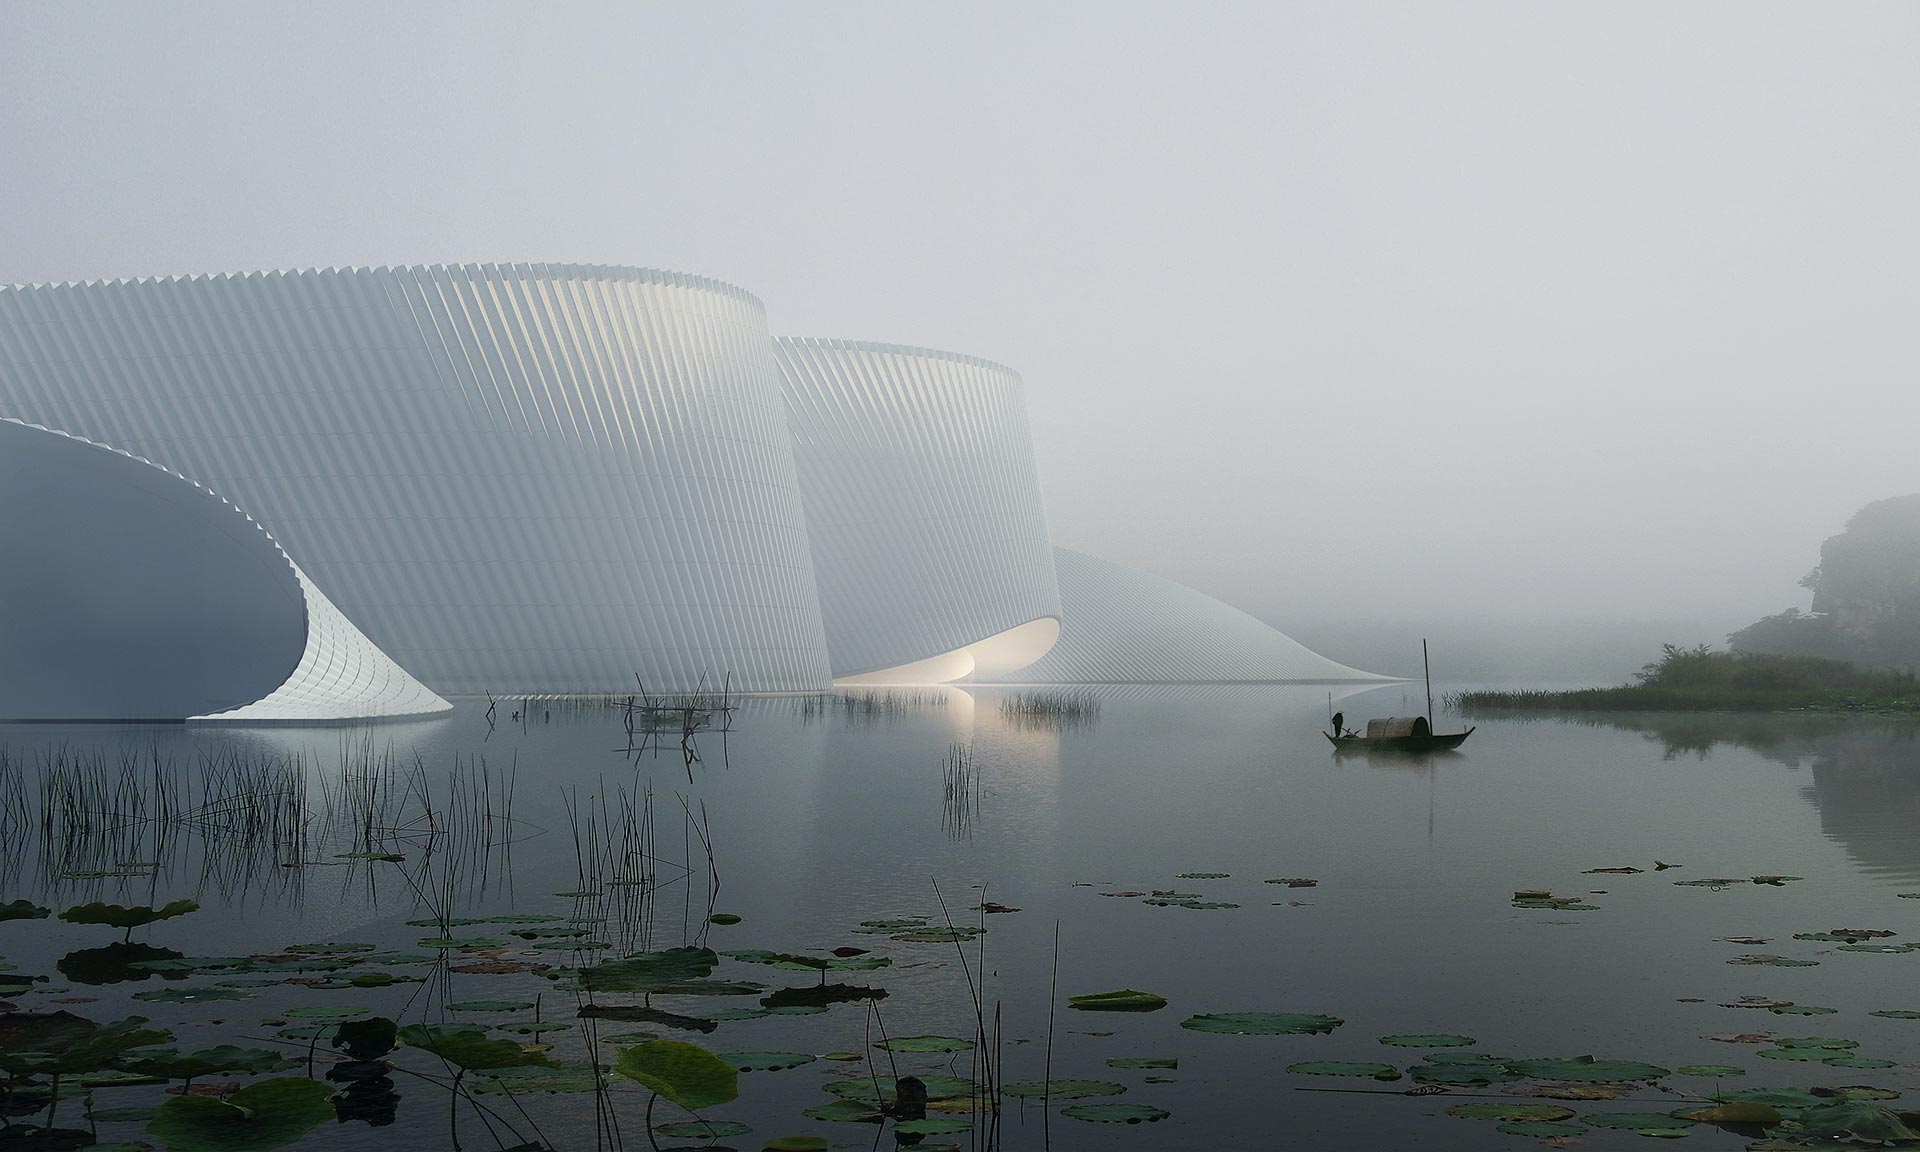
[(1263, 1023), (937, 935), (1776, 881), (328, 949), (737, 1014), (1625, 870), (467, 1048), (1294, 881), (1494, 1110), (1710, 1070), (192, 995), (1896, 1014), (844, 1111), (1775, 961), (861, 1089), (22, 910), (723, 918), (703, 1129), (174, 1065), (1856, 1062), (1116, 1113), (1204, 875), (124, 916), (1143, 1062), (1062, 1089), (1857, 1120), (490, 1006), (924, 1044), (571, 1076), (1801, 1010), (1123, 1000), (819, 996), (1459, 1074), (765, 1061), (651, 971), (343, 1012), (1428, 1040), (534, 1027), (1545, 1129), (260, 1116), (1711, 882), (1739, 1112), (644, 1014), (932, 1126), (1889, 949), (686, 1074), (469, 942), (65, 1044), (1585, 1068), (1344, 1068), (1788, 1100), (1861, 1092), (1831, 1043), (881, 927), (1632, 1121)]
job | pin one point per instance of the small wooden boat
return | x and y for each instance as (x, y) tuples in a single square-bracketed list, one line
[(1399, 733)]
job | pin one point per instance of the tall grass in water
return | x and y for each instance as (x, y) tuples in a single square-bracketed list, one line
[(960, 796), (1051, 708), (870, 704)]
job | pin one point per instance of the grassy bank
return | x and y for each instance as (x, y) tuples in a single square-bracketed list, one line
[(1698, 680)]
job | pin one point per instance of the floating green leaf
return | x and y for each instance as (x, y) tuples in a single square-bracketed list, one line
[(468, 942), (65, 1044), (1831, 1043), (861, 1089), (1263, 1023), (191, 995), (703, 1129), (651, 971), (1143, 1062), (1896, 1014), (124, 916), (1204, 875), (260, 1116), (315, 1012), (171, 1064), (765, 1061), (924, 1044), (686, 1074), (1545, 1129), (490, 1006), (932, 1125), (569, 1076), (1344, 1068), (1856, 1062), (1430, 1040), (466, 1047), (1062, 1089), (1711, 882), (22, 910), (1116, 1113), (1633, 1121), (723, 918), (1775, 961), (533, 1027), (1586, 1068), (844, 1112), (1494, 1110), (1856, 1120), (1801, 1010), (1710, 1070), (1122, 1000)]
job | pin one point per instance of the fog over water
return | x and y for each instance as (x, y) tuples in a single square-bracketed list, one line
[(1461, 315)]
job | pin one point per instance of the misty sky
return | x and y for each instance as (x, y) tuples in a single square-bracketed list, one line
[(1417, 311)]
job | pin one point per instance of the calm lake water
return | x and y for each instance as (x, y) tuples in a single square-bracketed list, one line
[(820, 817)]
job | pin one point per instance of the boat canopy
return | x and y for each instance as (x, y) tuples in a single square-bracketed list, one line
[(1398, 726)]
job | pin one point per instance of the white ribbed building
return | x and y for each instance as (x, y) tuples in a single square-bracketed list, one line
[(923, 506), (129, 592), (511, 478), (1120, 625)]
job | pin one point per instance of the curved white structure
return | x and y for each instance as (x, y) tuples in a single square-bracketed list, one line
[(1123, 626), (511, 478), (128, 592), (923, 506)]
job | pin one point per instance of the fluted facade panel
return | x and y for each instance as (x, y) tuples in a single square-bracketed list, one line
[(129, 592), (923, 506), (1123, 626), (510, 478)]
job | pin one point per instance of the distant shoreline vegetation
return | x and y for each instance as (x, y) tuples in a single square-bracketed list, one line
[(1701, 680)]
